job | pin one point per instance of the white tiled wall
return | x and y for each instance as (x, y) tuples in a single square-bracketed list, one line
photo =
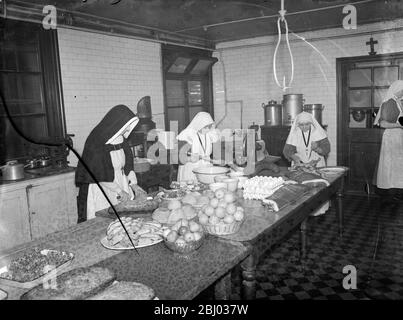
[(249, 71), (101, 71)]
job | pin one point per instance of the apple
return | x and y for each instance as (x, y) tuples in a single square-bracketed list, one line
[(214, 220), (197, 236), (229, 219), (214, 202), (231, 208), (172, 236), (220, 212), (174, 204), (209, 210), (180, 242), (222, 204), (220, 193), (203, 218), (182, 230), (229, 197), (193, 226), (189, 237), (239, 215)]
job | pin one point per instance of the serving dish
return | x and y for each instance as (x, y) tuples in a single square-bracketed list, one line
[(185, 247), (105, 243), (19, 270), (206, 175)]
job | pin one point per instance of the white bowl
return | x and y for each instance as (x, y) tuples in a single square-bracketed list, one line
[(220, 178), (218, 185), (207, 174)]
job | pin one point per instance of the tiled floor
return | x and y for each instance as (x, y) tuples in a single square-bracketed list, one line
[(281, 274)]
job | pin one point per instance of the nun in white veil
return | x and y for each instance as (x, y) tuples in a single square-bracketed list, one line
[(200, 134)]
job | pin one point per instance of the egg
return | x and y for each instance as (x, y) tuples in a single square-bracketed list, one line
[(203, 219)]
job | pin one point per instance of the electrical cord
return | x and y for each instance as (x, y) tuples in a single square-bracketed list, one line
[(49, 144), (283, 86)]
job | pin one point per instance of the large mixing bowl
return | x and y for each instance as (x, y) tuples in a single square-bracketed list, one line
[(207, 174)]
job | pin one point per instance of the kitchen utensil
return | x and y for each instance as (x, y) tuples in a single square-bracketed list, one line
[(206, 174), (13, 170), (292, 106), (316, 110), (272, 113)]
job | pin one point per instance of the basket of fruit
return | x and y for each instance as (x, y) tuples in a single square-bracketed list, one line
[(184, 236), (222, 216)]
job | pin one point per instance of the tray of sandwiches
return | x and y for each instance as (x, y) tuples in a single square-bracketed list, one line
[(30, 267)]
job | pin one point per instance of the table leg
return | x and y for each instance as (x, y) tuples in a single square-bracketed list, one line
[(222, 289), (248, 290), (304, 239), (339, 211)]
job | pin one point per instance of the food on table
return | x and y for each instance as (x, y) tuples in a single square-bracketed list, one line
[(141, 232), (222, 212), (261, 187), (161, 215), (122, 290), (31, 265), (189, 199), (188, 186), (184, 234), (138, 204), (76, 284), (171, 194)]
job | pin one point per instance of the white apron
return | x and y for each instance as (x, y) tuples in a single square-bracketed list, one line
[(96, 200), (204, 148), (390, 173)]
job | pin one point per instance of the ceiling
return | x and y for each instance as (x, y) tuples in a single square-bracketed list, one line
[(207, 22)]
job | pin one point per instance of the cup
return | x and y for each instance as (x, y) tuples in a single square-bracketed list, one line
[(232, 184)]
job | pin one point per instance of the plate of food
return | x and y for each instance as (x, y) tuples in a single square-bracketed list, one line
[(332, 170), (143, 233), (29, 268), (175, 194)]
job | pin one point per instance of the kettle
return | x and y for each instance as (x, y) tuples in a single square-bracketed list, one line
[(12, 170)]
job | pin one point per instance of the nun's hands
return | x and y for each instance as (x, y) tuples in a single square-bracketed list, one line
[(123, 196), (194, 157)]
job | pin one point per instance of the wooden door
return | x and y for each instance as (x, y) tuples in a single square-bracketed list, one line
[(14, 219), (362, 84), (48, 207)]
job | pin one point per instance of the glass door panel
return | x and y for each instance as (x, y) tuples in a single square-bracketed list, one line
[(175, 93), (384, 76), (360, 98), (360, 78)]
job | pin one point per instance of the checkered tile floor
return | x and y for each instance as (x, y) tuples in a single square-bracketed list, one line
[(282, 275)]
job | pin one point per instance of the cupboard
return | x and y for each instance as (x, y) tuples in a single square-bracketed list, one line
[(34, 208)]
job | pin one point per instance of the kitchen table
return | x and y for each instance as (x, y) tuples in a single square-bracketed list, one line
[(262, 228), (172, 276)]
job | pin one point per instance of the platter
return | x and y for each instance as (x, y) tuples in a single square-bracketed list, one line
[(331, 170), (105, 243), (6, 279)]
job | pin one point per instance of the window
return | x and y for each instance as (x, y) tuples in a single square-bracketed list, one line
[(30, 83), (187, 84)]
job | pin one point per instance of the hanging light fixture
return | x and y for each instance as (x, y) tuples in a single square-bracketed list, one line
[(281, 18)]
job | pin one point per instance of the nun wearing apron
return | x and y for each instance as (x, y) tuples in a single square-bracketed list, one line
[(108, 156), (390, 165), (307, 141), (200, 134)]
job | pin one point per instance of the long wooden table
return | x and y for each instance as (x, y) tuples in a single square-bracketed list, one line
[(176, 277), (262, 228)]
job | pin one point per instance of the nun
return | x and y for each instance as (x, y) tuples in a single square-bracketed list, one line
[(307, 142), (109, 157), (389, 175), (200, 135)]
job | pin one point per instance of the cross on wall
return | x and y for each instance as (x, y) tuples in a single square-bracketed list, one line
[(371, 43)]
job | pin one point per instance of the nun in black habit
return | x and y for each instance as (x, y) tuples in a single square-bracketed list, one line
[(109, 157)]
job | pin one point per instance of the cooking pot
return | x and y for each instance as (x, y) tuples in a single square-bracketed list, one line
[(12, 170), (316, 110), (292, 106), (272, 113)]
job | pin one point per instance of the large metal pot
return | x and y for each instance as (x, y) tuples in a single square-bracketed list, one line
[(272, 113), (12, 170), (316, 110), (292, 106)]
